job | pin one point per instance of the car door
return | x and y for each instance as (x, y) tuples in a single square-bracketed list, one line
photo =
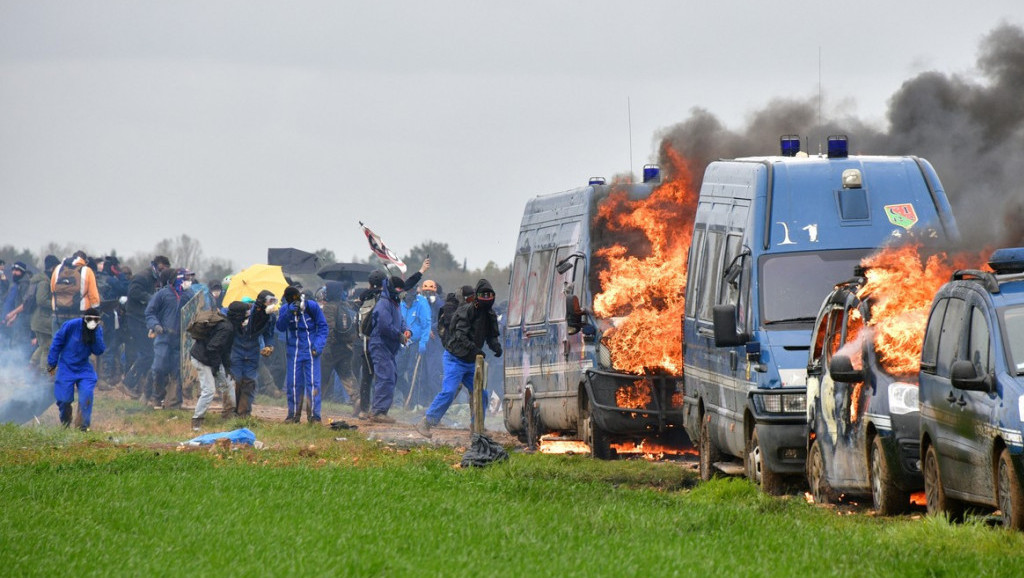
[(977, 408)]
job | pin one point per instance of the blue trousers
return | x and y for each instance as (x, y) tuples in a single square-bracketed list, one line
[(385, 375), (456, 372), (302, 379), (167, 367), (64, 392)]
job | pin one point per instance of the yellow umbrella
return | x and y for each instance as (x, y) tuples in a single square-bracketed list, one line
[(254, 279)]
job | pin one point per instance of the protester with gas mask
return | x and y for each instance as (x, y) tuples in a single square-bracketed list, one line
[(138, 353), (163, 318), (473, 325), (254, 338), (68, 358), (305, 328), (416, 314), (388, 333), (430, 373)]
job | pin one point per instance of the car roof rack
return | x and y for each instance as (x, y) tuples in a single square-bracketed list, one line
[(988, 280)]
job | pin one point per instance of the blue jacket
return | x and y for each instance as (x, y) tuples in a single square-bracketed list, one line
[(388, 324), (418, 320), (303, 331), (164, 309), (248, 344), (70, 353)]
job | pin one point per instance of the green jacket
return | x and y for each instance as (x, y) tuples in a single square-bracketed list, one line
[(43, 315)]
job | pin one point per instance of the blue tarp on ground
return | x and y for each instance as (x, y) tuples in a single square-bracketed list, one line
[(238, 436)]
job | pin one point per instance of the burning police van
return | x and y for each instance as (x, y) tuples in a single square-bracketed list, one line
[(771, 236), (565, 376)]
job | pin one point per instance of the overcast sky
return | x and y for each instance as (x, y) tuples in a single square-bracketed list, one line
[(253, 124)]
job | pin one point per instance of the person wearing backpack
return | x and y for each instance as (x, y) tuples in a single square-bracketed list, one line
[(211, 356), (163, 318), (341, 336), (68, 359), (73, 286), (305, 328)]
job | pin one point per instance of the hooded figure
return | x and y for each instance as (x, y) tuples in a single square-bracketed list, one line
[(473, 325), (305, 330), (388, 334), (337, 357), (74, 342), (254, 334), (163, 318)]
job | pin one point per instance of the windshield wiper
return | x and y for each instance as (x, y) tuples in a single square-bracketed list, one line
[(791, 320)]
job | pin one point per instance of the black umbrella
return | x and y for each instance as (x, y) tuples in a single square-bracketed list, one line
[(293, 261), (352, 272)]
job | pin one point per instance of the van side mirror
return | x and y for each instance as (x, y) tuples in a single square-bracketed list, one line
[(727, 334), (841, 369), (965, 376)]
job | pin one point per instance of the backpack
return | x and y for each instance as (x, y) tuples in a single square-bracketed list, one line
[(67, 291), (444, 318), (364, 318), (202, 324)]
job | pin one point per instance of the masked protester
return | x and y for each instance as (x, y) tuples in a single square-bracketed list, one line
[(473, 325), (337, 357), (163, 318), (254, 336), (73, 286), (416, 314), (388, 334), (305, 328), (15, 326), (211, 356), (74, 342), (138, 351)]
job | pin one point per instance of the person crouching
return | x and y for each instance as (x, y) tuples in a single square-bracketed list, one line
[(211, 356), (72, 345)]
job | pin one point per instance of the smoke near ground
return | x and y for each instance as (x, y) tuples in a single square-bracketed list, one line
[(25, 392), (971, 128)]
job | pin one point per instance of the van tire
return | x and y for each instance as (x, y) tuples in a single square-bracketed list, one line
[(770, 482), (709, 453), (888, 499), (935, 496), (817, 479), (592, 434), (1011, 495)]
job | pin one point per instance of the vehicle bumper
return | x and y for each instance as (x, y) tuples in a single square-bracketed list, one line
[(656, 405), (782, 434)]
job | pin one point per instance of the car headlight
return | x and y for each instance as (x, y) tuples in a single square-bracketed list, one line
[(783, 402), (903, 398), (604, 356)]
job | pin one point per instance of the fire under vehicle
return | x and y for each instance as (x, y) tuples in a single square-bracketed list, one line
[(771, 236), (559, 376)]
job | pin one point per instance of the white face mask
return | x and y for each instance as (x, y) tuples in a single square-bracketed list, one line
[(433, 298), (186, 285), (92, 324)]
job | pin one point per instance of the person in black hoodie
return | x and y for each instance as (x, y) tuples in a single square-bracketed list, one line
[(473, 325), (211, 356)]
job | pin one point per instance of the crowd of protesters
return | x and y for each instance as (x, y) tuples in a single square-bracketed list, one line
[(373, 350)]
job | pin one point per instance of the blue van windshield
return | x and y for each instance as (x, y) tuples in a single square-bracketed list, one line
[(1013, 326), (793, 284)]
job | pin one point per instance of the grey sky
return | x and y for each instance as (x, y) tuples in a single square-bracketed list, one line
[(253, 124)]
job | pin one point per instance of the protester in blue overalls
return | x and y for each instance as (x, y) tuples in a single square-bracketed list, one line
[(69, 355), (305, 329), (388, 334), (254, 337)]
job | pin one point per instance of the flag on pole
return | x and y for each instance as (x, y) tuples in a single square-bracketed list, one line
[(380, 249)]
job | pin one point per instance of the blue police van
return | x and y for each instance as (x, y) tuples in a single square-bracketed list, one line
[(972, 392), (559, 377), (771, 236)]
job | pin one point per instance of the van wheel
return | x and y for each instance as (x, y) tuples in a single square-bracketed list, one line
[(709, 453), (757, 470), (935, 495), (817, 479), (1011, 496), (889, 500), (595, 437)]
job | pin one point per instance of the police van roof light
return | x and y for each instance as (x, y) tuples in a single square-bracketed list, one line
[(838, 146), (790, 144), (596, 181), (1006, 261), (652, 173)]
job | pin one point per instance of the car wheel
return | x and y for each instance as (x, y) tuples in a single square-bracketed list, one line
[(817, 478), (595, 438), (758, 470), (1011, 496), (709, 453), (889, 500), (935, 495)]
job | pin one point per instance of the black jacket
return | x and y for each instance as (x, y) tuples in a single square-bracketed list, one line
[(140, 289), (215, 350), (470, 328)]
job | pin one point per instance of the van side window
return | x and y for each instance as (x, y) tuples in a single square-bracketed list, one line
[(714, 248), (949, 337), (695, 264), (821, 337), (978, 350), (538, 287), (731, 287), (556, 311), (517, 289), (930, 348)]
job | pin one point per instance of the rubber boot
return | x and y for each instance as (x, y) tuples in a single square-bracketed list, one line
[(228, 410), (65, 415), (245, 392)]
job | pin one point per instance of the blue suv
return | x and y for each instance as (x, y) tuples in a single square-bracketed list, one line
[(971, 386)]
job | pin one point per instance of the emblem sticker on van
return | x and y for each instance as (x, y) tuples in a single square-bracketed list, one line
[(901, 215)]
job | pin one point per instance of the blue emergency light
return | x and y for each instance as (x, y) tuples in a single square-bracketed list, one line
[(838, 146), (1006, 261), (790, 144), (596, 181), (652, 173)]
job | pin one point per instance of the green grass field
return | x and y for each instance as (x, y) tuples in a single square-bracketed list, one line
[(96, 504)]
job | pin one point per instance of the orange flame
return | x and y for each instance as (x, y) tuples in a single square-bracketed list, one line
[(636, 395), (648, 291), (651, 450), (555, 445), (901, 287)]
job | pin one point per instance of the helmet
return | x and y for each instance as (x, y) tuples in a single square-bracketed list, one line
[(429, 285), (376, 278)]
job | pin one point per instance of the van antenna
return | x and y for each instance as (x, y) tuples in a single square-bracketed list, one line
[(819, 101), (629, 122)]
